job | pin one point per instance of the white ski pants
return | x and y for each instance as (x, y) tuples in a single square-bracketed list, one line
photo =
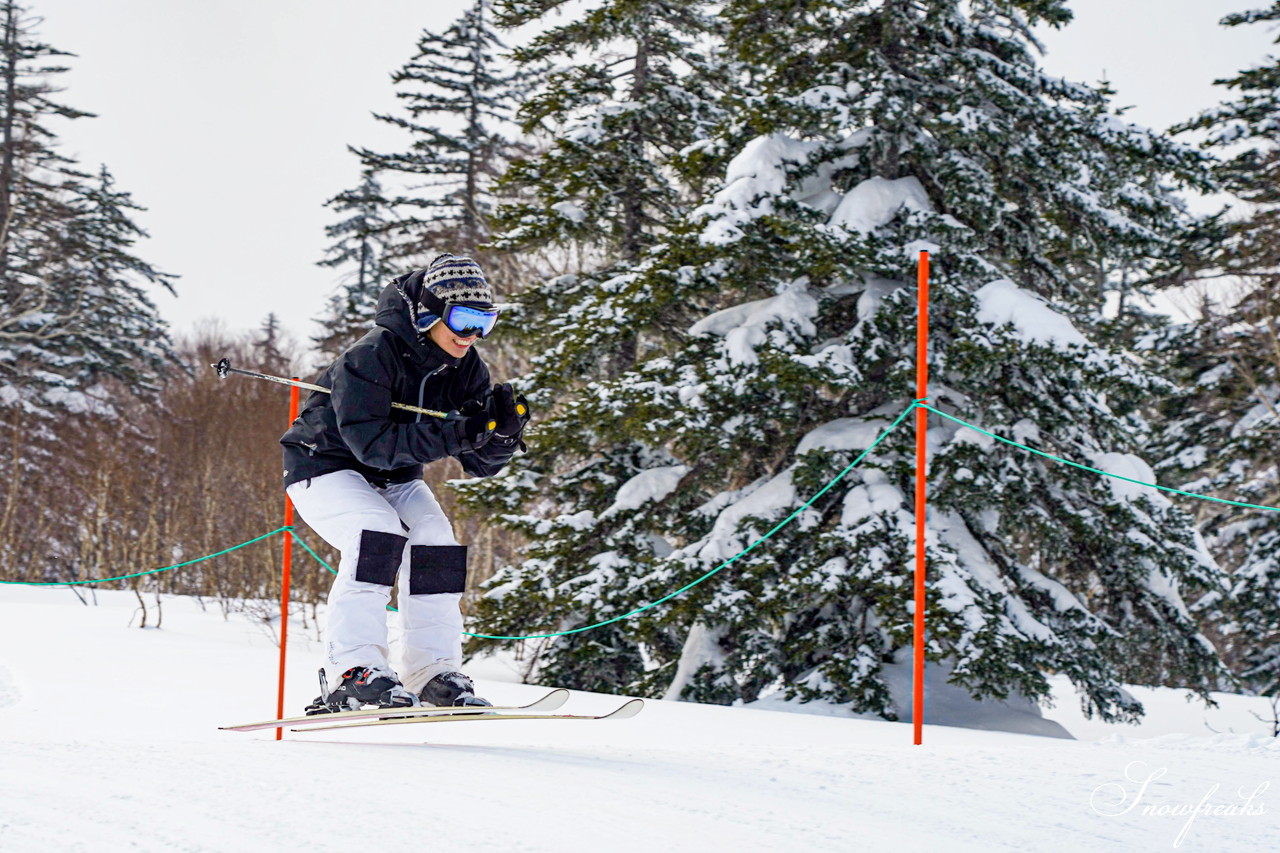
[(395, 534)]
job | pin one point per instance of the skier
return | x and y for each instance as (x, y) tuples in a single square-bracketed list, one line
[(353, 469)]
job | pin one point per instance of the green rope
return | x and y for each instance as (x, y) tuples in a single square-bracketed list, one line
[(726, 563), (149, 571), (307, 548), (1095, 470)]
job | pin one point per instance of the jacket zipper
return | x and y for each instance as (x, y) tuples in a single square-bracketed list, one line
[(422, 390)]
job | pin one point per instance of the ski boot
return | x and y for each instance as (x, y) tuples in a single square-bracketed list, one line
[(361, 686), (451, 688)]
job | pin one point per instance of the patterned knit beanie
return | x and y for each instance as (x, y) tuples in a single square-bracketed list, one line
[(453, 279)]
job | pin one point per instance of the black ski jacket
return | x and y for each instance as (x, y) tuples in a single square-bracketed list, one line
[(355, 428)]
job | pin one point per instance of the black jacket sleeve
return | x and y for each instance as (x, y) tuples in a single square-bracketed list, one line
[(363, 381)]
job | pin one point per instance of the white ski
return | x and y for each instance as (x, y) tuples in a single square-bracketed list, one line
[(623, 712), (549, 702)]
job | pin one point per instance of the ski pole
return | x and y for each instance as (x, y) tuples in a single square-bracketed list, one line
[(224, 368)]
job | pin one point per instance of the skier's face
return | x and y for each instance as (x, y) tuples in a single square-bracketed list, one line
[(450, 341)]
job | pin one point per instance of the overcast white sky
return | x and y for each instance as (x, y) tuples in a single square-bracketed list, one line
[(229, 119)]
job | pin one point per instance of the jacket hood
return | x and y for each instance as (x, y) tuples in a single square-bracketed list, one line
[(394, 314)]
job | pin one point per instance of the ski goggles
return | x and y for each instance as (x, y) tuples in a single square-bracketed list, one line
[(462, 319)]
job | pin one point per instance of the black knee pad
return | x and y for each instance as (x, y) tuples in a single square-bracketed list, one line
[(380, 555), (437, 568)]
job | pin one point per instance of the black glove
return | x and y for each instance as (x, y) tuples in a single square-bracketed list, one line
[(475, 422), (511, 412)]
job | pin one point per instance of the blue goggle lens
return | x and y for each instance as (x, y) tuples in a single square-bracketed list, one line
[(467, 320)]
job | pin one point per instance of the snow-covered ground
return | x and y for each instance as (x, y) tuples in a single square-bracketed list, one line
[(109, 741)]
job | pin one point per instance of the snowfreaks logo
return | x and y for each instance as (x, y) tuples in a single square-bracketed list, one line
[(1119, 798)]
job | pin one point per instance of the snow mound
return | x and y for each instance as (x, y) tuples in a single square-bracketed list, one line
[(1128, 465), (724, 321), (945, 704), (842, 434), (757, 175), (746, 327), (570, 211), (949, 705), (1002, 303), (875, 201), (652, 484), (767, 498)]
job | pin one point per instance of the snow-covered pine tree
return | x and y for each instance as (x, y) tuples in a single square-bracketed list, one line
[(76, 316), (1222, 431), (460, 99), (364, 250), (118, 331), (35, 188), (616, 109), (784, 344), (75, 306), (113, 355), (629, 94)]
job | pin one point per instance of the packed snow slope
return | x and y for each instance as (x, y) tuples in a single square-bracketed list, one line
[(109, 741)]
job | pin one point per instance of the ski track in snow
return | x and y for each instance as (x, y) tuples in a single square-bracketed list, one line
[(112, 745)]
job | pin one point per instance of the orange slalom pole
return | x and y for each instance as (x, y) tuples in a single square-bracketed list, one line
[(922, 451), (284, 578)]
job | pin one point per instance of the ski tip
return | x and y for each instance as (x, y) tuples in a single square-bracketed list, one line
[(253, 727), (243, 727), (626, 711), (553, 700)]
